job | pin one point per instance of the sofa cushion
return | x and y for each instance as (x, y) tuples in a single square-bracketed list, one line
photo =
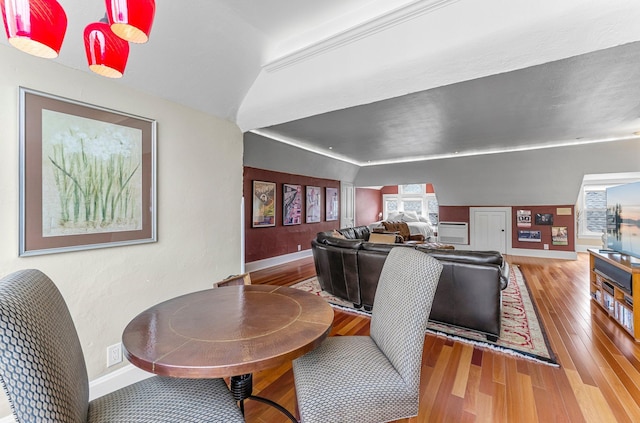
[(357, 232), (344, 243), (476, 257)]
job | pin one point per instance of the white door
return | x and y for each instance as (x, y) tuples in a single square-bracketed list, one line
[(347, 205), (490, 230)]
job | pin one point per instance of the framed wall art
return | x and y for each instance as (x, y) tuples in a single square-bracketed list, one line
[(291, 204), (264, 204), (529, 236), (313, 204), (559, 235), (544, 219), (331, 199), (524, 218), (87, 176)]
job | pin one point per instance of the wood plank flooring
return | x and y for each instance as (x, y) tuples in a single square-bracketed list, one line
[(598, 379)]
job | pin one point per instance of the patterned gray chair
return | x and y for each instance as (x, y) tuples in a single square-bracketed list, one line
[(374, 378), (44, 373)]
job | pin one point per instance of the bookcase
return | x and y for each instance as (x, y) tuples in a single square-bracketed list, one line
[(615, 286)]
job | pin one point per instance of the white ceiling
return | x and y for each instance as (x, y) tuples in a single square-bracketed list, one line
[(463, 76)]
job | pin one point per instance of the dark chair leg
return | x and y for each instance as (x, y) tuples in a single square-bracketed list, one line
[(368, 308), (357, 305)]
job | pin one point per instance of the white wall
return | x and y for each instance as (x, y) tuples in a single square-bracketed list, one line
[(264, 153), (536, 177), (199, 194)]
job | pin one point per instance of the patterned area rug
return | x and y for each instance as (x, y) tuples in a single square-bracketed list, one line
[(521, 334)]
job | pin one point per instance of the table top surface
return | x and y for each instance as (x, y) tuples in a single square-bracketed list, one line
[(227, 331)]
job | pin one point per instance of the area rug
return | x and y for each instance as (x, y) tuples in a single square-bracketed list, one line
[(522, 333)]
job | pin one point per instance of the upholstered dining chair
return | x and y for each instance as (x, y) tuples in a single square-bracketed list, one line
[(45, 378), (374, 378)]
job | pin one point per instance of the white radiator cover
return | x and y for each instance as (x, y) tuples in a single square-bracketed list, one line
[(453, 232)]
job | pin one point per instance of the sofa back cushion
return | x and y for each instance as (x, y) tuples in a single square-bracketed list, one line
[(357, 232), (462, 256)]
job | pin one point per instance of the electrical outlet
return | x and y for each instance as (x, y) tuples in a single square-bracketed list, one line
[(114, 354), (546, 246), (299, 247)]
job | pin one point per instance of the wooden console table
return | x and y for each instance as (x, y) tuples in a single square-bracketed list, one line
[(615, 286)]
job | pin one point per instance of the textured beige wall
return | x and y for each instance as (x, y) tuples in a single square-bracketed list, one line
[(199, 195)]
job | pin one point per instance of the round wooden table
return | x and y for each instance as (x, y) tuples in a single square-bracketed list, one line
[(228, 331)]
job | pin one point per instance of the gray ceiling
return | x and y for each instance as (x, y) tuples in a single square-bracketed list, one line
[(587, 98), (377, 80)]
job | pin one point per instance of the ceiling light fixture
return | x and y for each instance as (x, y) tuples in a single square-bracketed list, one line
[(107, 53), (131, 20), (36, 27)]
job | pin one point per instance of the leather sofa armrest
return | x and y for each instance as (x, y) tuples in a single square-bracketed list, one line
[(504, 275)]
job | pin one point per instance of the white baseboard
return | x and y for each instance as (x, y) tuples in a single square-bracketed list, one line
[(274, 261), (108, 383), (566, 255), (115, 380)]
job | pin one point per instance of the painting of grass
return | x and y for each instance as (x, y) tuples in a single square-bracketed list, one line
[(91, 176)]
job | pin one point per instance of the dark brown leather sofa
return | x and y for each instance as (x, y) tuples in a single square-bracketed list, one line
[(469, 290)]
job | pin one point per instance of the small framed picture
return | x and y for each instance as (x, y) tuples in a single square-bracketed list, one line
[(529, 236), (559, 235), (291, 204), (331, 199), (524, 218), (544, 219), (313, 204), (264, 204)]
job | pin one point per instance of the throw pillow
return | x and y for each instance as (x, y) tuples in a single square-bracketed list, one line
[(394, 215)]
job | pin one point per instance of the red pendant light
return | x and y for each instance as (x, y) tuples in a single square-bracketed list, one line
[(107, 53), (35, 26), (131, 20)]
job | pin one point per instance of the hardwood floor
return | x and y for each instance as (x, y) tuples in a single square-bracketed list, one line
[(598, 379)]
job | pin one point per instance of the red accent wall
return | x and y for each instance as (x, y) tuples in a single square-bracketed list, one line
[(389, 189), (545, 230), (263, 243), (453, 214), (368, 205), (461, 214)]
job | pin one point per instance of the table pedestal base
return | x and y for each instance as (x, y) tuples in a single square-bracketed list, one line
[(241, 388)]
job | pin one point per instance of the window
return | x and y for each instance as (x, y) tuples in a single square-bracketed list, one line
[(594, 210), (412, 197), (592, 202)]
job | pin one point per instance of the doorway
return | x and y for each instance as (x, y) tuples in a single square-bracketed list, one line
[(490, 228)]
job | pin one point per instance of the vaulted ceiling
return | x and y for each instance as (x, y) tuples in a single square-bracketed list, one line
[(369, 81)]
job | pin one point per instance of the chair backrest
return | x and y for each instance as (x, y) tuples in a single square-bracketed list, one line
[(402, 304), (41, 363)]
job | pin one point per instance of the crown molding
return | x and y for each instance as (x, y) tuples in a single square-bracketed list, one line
[(358, 32)]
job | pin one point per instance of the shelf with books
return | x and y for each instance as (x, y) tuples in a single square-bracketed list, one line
[(614, 286)]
